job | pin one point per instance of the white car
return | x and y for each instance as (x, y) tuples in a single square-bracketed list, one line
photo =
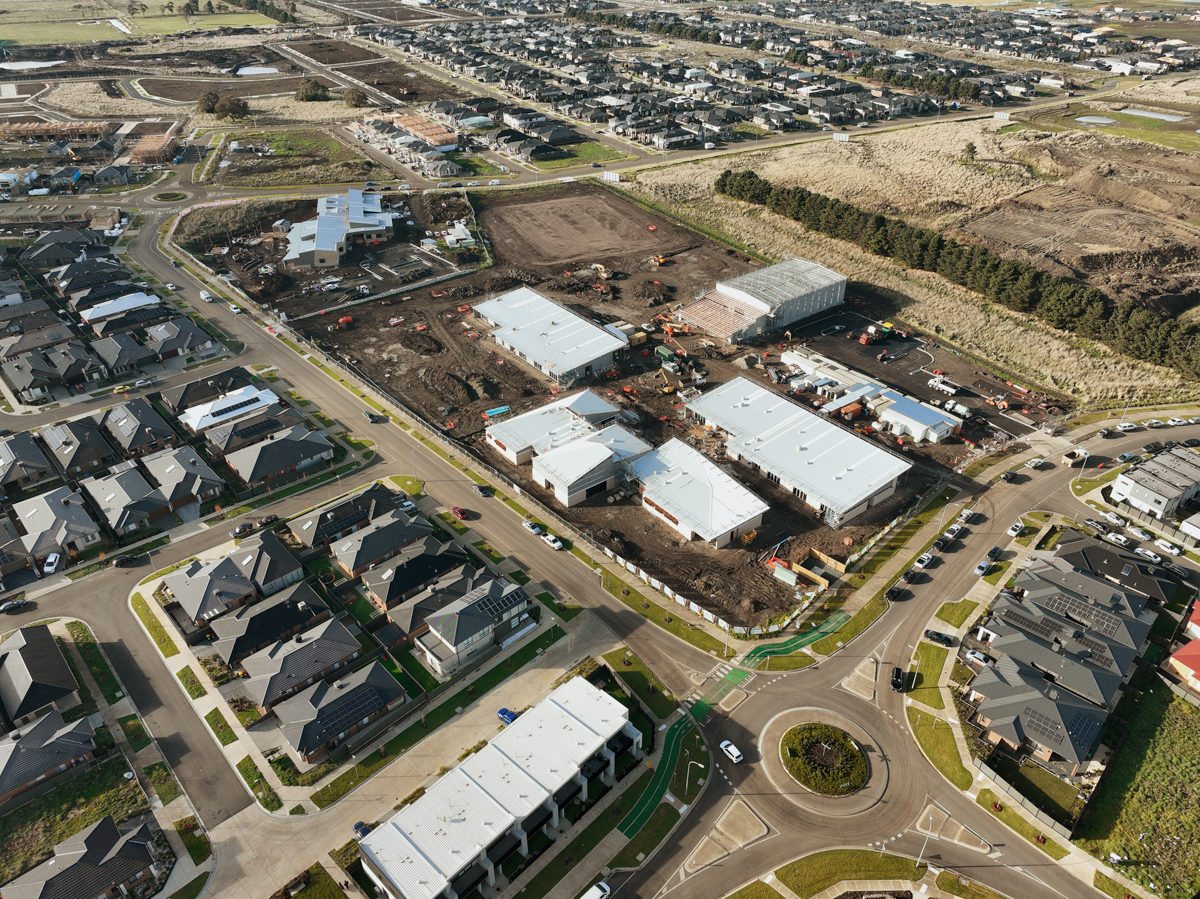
[(1140, 534), (1115, 519), (732, 751), (1148, 554), (923, 560), (1015, 529), (1176, 422), (1035, 464), (1153, 423), (1167, 547), (51, 565), (953, 531), (974, 655), (966, 515), (983, 568), (406, 506), (1193, 421), (235, 308), (551, 541), (1120, 539), (172, 287), (532, 528), (206, 296), (1127, 426)]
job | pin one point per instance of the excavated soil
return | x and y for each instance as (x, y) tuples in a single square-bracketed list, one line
[(401, 82)]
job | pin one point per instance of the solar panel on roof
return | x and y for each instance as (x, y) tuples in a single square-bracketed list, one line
[(1083, 727), (1042, 726), (1098, 651), (1100, 621), (1044, 628)]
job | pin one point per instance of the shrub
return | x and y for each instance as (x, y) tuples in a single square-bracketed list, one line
[(824, 759)]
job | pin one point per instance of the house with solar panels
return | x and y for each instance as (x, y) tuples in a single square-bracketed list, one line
[(341, 222), (1067, 643), (494, 613)]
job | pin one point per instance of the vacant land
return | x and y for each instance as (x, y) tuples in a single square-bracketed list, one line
[(403, 83), (189, 90), (296, 157), (334, 52)]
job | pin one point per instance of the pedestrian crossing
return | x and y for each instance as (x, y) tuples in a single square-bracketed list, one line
[(727, 677)]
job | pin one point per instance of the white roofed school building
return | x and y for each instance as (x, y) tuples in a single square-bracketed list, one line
[(456, 835), (341, 222), (828, 466), (563, 344), (754, 303), (691, 493)]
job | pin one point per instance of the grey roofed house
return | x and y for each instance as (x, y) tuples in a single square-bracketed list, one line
[(28, 316), (136, 427), (48, 742), (121, 353), (33, 673), (89, 864), (244, 432), (323, 525), (281, 453), (267, 562), (1020, 705), (288, 666), (1045, 582), (60, 247), (182, 398), (21, 462), (207, 589), (321, 714), (412, 614), (82, 298), (1129, 571), (30, 375), (67, 278), (125, 498), (182, 475), (475, 611), (412, 570), (379, 541), (254, 627), (178, 337), (131, 320), (79, 446), (75, 363), (57, 521), (30, 341)]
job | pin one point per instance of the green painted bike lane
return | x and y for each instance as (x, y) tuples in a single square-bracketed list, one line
[(650, 799), (827, 627)]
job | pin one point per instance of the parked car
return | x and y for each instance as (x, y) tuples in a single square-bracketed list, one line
[(994, 553), (460, 514), (897, 680), (942, 542), (974, 655), (1194, 420), (1140, 534), (1152, 447), (953, 531), (267, 520), (361, 830), (909, 576), (1148, 554), (124, 561), (966, 516), (1192, 441), (939, 637), (1015, 530), (1119, 539), (242, 529), (1167, 547), (1176, 422), (1104, 432), (507, 716), (1114, 518), (1096, 525), (13, 605), (982, 568), (732, 751), (532, 528), (1035, 464), (551, 541), (894, 593), (1008, 476), (1126, 426), (1153, 423), (1125, 457), (407, 506), (923, 560), (51, 564), (1178, 570)]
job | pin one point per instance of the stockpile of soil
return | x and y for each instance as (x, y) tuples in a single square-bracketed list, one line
[(419, 342)]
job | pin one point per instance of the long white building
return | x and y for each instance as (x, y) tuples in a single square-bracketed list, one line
[(457, 834), (829, 467)]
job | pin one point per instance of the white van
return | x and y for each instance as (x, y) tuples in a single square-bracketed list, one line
[(206, 296), (599, 891)]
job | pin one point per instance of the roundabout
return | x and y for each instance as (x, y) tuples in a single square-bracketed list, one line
[(169, 197), (824, 759)]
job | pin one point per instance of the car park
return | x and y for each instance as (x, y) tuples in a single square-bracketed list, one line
[(551, 541), (939, 637), (1114, 518), (1096, 525), (982, 568), (1014, 530), (1148, 554), (1126, 426), (974, 655), (1119, 539), (923, 560), (507, 716), (1176, 422), (1125, 457), (953, 531), (1167, 547), (1140, 534), (732, 751), (897, 680), (894, 593), (267, 521), (1035, 464), (532, 528), (242, 529), (994, 553), (460, 514)]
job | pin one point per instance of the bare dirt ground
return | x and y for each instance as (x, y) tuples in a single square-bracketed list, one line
[(403, 83), (393, 12), (334, 52), (208, 55), (191, 89)]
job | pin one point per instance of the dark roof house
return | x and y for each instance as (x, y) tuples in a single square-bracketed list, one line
[(136, 428), (93, 864), (34, 675), (205, 590), (416, 567), (122, 354), (22, 463), (324, 525), (206, 389), (287, 667), (267, 562), (183, 477), (79, 447), (34, 753), (281, 454), (254, 627), (379, 541), (318, 719)]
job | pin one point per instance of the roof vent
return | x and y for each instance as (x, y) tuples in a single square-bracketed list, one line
[(66, 501), (299, 638)]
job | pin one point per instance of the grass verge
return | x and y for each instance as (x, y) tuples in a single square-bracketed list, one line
[(1015, 822), (815, 873), (220, 727), (756, 890), (924, 684), (937, 742), (563, 611), (1108, 886), (192, 889), (157, 632), (956, 613), (163, 781), (135, 733), (862, 619), (646, 840), (95, 661), (194, 839), (949, 883), (791, 662), (190, 682), (263, 792), (643, 683)]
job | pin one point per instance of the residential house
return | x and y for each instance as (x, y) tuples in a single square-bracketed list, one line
[(1128, 571), (79, 447), (136, 429), (410, 616), (412, 570), (250, 628), (55, 248), (283, 453), (183, 477), (379, 541), (31, 377), (55, 522), (181, 337), (22, 464), (205, 590), (125, 499), (18, 345), (324, 525), (48, 746), (122, 355), (228, 408), (267, 563), (97, 863), (111, 176), (1162, 484), (491, 614), (76, 364), (180, 399), (287, 667), (1184, 663), (34, 676), (118, 306), (133, 320), (319, 719), (229, 438)]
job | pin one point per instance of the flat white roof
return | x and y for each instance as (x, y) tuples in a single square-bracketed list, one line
[(695, 490), (426, 845), (568, 464), (227, 407), (556, 338), (554, 424), (831, 464), (118, 306), (784, 281)]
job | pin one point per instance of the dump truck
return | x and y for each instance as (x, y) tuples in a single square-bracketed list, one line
[(1075, 457), (945, 386)]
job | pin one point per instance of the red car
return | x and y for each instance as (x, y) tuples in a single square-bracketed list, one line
[(458, 513)]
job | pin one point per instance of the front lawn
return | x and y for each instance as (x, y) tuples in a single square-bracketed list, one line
[(643, 683), (158, 633), (263, 791), (418, 672), (192, 889), (994, 576), (135, 733), (956, 613), (1039, 786), (563, 611), (816, 873)]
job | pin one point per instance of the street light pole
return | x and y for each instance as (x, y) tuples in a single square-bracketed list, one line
[(917, 652), (926, 843)]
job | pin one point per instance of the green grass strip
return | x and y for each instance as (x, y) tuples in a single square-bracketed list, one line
[(815, 873), (263, 791), (1014, 821), (220, 727), (95, 661), (862, 619), (194, 839), (157, 632), (190, 682), (647, 839), (937, 742), (956, 613), (645, 685)]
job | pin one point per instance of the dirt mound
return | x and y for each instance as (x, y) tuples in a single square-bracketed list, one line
[(653, 292), (420, 342)]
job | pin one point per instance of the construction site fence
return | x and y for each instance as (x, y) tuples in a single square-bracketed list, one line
[(903, 518)]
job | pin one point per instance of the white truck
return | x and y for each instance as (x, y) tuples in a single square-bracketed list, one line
[(1075, 457), (945, 386)]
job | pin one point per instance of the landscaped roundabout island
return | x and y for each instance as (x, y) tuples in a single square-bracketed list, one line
[(824, 759)]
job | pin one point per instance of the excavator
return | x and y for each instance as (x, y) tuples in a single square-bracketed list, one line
[(605, 274), (668, 388)]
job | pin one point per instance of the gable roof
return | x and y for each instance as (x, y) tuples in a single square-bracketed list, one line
[(264, 559), (390, 532), (181, 473), (179, 334), (51, 520), (416, 564), (181, 398), (412, 614), (318, 714), (279, 452), (244, 630), (206, 589), (229, 438), (123, 496), (87, 864), (362, 507), (78, 440), (20, 457), (134, 424), (287, 664), (483, 607), (1125, 569), (41, 746), (122, 351), (33, 672)]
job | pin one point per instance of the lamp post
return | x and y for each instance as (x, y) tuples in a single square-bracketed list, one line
[(928, 830), (917, 653), (687, 779), (942, 518), (354, 759)]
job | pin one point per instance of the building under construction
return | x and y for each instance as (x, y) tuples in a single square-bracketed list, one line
[(55, 131), (154, 148)]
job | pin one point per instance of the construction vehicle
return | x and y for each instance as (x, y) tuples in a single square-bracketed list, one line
[(748, 537), (656, 261), (874, 334), (668, 388), (605, 274), (881, 356)]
